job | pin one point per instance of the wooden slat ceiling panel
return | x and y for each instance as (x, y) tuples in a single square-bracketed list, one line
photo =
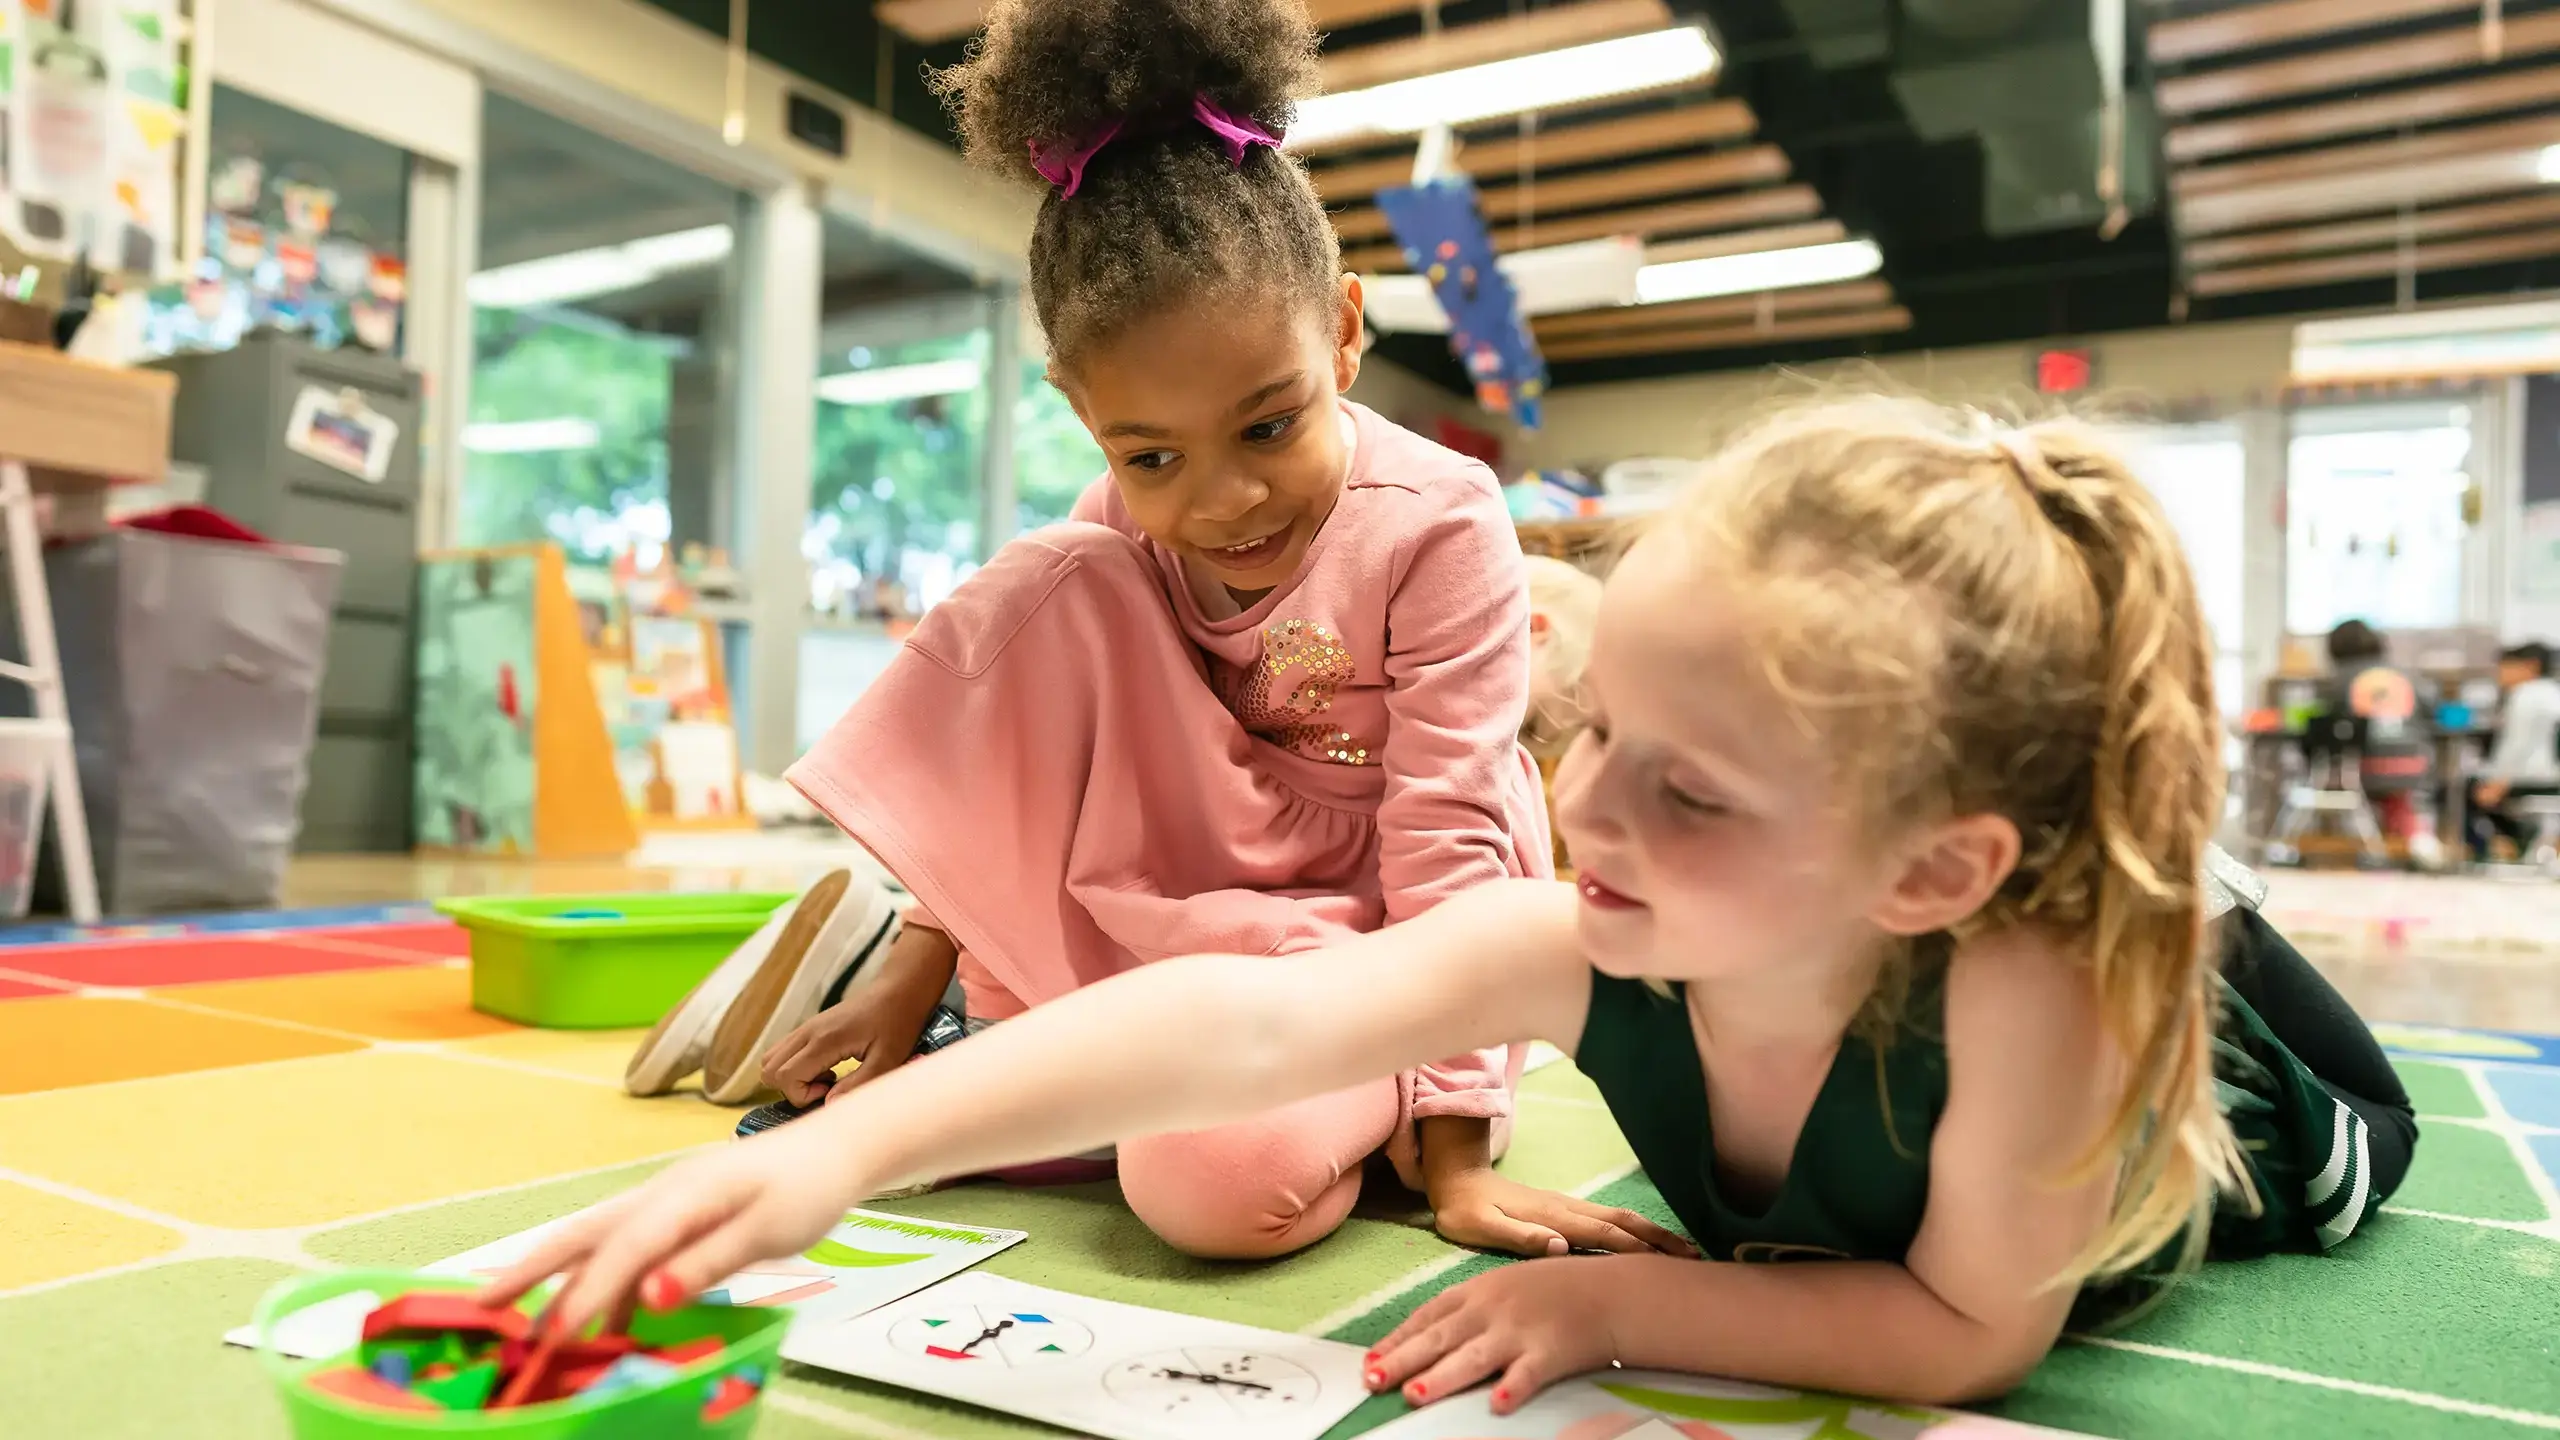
[(1722, 310), (2351, 66), (1333, 14), (2385, 188), (2541, 208), (2367, 156), (2426, 105), (1723, 170), (1881, 321), (1494, 158), (2448, 255), (2274, 22), (1463, 45), (1680, 217), (1743, 242)]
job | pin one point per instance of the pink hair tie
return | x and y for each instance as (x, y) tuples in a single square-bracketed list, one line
[(1062, 162)]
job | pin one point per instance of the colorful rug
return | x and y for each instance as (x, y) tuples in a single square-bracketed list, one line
[(191, 1112)]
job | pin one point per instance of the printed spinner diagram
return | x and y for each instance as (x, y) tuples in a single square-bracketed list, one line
[(1014, 1339), (1213, 1381)]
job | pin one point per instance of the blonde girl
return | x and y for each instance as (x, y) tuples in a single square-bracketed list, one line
[(1892, 953)]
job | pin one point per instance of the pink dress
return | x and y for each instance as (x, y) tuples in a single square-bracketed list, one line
[(1077, 766)]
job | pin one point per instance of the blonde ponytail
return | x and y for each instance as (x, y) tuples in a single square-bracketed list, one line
[(2155, 792)]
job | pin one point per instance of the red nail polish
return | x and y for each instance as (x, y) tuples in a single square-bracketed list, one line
[(1418, 1392), (1501, 1397)]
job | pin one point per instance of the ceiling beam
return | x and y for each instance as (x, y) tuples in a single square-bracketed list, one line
[(2373, 264), (2250, 27), (1721, 170), (1880, 321), (2366, 156), (1460, 46), (2350, 66), (931, 22), (1493, 157), (2536, 209), (1746, 242), (2426, 105), (1723, 309)]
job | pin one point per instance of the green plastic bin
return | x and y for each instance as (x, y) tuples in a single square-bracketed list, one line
[(671, 1410), (599, 962)]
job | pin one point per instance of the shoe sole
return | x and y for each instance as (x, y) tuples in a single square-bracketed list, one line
[(676, 1045), (784, 992)]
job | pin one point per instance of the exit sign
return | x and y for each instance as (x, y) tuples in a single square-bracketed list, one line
[(2064, 372)]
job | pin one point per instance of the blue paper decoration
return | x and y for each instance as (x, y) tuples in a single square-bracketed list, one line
[(1445, 241)]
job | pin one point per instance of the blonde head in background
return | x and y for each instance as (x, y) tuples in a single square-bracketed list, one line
[(1564, 607)]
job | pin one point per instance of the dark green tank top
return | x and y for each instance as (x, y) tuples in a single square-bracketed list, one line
[(1859, 1179)]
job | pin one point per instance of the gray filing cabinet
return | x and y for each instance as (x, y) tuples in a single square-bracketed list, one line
[(232, 413)]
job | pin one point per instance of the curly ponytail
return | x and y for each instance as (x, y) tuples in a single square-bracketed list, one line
[(1161, 215), (1982, 620)]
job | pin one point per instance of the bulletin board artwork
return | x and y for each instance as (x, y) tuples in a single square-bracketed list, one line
[(512, 753), (92, 121)]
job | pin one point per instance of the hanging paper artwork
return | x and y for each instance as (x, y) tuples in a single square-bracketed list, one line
[(1445, 241), (237, 184), (307, 209), (299, 262)]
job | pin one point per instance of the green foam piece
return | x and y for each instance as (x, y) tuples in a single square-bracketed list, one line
[(467, 1389)]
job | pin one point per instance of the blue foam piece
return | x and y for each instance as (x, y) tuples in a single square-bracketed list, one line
[(393, 1366), (1445, 241)]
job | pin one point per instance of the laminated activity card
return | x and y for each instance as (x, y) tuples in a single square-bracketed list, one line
[(867, 1261), (1118, 1371)]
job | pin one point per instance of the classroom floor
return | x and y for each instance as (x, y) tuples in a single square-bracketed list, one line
[(188, 1117)]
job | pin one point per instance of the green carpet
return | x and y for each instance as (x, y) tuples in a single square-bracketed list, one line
[(2438, 1322)]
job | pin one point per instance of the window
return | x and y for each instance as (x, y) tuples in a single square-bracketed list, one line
[(601, 333), (2374, 504), (893, 501), (1054, 457), (2199, 473)]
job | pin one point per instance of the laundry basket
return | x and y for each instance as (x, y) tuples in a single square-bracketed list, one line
[(26, 747)]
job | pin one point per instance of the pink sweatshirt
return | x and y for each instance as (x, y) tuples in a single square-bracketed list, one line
[(1410, 613)]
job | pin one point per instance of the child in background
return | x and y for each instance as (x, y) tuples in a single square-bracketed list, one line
[(2397, 765), (1564, 606), (1263, 697), (2526, 758), (1893, 954)]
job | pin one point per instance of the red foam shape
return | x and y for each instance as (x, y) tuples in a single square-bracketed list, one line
[(359, 1386), (435, 1311), (733, 1395)]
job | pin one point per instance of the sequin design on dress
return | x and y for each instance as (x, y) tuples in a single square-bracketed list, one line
[(1283, 697)]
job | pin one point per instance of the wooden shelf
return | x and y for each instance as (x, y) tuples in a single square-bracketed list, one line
[(80, 425)]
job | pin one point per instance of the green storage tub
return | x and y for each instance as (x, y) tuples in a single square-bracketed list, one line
[(669, 1411), (599, 962)]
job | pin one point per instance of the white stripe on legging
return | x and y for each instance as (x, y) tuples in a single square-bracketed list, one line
[(2325, 1184), (2343, 1224)]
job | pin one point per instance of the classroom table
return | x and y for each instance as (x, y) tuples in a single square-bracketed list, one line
[(2266, 774)]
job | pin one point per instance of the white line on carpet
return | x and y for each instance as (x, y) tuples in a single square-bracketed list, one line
[(2518, 1143), (2541, 1229), (1432, 1269), (2528, 1418)]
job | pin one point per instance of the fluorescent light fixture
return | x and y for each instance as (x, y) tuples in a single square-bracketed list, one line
[(1756, 271), (900, 382), (1586, 275), (527, 437), (2546, 166), (1509, 87), (584, 274)]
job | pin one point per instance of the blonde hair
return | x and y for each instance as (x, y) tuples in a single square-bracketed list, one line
[(1971, 618), (1567, 598)]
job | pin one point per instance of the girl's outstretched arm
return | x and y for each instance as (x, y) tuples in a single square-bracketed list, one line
[(1178, 1045), (1967, 1314)]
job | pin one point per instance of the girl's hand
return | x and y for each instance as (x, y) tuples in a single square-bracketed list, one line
[(1532, 1324), (1482, 1209), (691, 1226), (876, 1024)]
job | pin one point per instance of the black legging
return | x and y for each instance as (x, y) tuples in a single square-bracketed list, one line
[(2315, 1022)]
